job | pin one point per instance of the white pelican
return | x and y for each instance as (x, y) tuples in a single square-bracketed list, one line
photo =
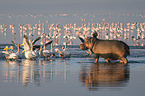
[(28, 48), (6, 52), (64, 53), (14, 56), (11, 55), (45, 53)]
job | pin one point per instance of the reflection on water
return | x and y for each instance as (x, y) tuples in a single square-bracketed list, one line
[(10, 72), (29, 71), (93, 76), (104, 76)]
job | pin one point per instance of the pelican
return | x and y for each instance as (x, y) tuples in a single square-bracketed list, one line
[(11, 55), (28, 48), (44, 53), (64, 53), (6, 52), (14, 56)]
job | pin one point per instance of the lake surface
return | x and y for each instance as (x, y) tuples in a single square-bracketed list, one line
[(77, 76)]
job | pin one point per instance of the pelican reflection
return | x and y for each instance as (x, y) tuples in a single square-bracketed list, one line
[(11, 71), (106, 75), (28, 72)]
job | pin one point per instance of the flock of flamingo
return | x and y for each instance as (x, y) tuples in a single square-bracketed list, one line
[(69, 32)]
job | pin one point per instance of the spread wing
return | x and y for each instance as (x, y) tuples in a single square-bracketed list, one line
[(26, 43), (38, 46), (48, 43), (35, 40)]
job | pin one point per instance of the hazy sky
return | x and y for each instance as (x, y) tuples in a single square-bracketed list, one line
[(72, 4)]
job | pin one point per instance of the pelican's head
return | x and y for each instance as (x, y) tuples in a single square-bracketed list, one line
[(21, 44), (11, 47), (23, 51), (64, 43), (6, 48), (63, 48), (18, 45), (41, 48), (56, 50)]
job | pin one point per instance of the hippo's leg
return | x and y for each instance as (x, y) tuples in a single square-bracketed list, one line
[(108, 61), (96, 58), (123, 60)]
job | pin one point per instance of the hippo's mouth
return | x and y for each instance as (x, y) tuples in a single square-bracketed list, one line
[(83, 47)]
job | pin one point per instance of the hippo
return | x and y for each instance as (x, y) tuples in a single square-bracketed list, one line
[(107, 49)]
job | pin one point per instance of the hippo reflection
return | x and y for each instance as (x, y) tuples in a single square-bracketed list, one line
[(104, 75)]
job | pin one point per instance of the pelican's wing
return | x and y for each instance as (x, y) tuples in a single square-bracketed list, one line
[(5, 52), (26, 43), (36, 47), (13, 56), (35, 40), (81, 39), (48, 43)]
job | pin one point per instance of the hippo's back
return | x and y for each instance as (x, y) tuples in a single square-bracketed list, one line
[(111, 48)]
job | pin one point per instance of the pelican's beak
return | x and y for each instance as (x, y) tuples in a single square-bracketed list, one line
[(22, 45), (10, 48), (23, 51), (43, 47), (5, 48)]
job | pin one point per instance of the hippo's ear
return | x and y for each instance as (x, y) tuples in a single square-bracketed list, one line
[(81, 39)]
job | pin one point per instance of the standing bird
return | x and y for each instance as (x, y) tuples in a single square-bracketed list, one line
[(45, 53), (64, 53)]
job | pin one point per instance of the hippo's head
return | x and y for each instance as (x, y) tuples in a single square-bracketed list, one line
[(86, 44), (83, 46)]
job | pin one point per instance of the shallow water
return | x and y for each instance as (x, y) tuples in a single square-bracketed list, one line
[(77, 76)]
